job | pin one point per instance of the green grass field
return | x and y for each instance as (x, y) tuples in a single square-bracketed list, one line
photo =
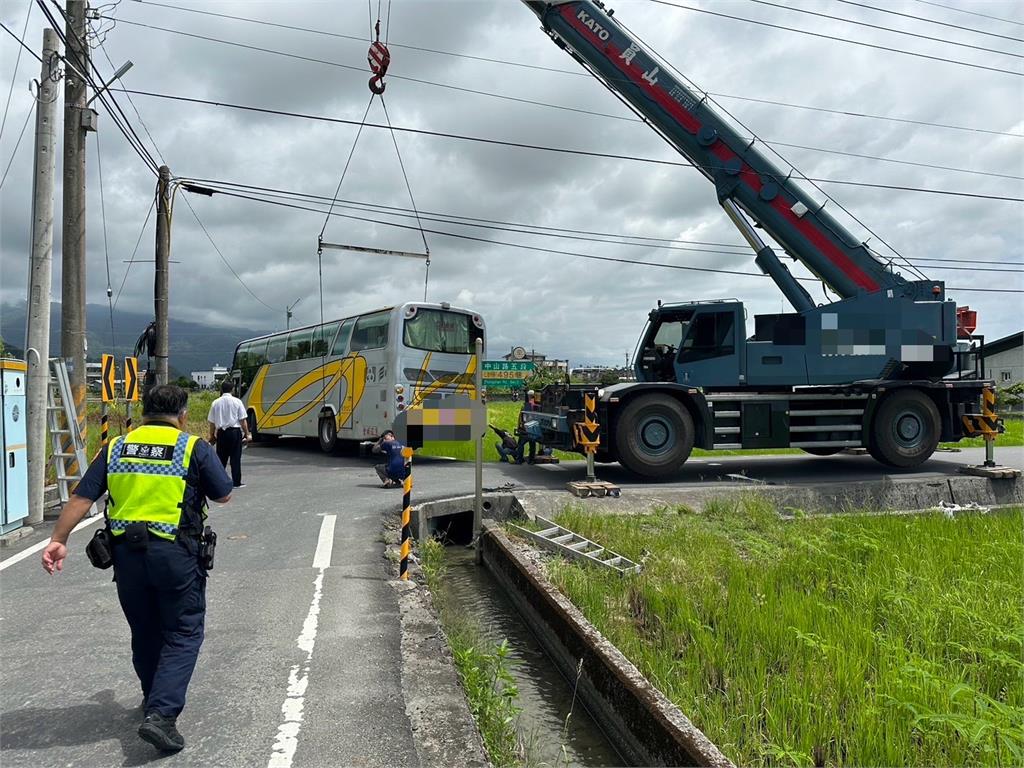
[(850, 640)]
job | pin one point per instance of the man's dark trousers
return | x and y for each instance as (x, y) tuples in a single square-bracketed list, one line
[(229, 446), (162, 590)]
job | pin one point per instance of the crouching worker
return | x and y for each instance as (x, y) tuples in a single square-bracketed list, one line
[(392, 472), (158, 478)]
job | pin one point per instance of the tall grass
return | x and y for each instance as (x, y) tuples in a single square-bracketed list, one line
[(867, 640)]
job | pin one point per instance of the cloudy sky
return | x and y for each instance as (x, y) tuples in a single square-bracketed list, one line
[(559, 303)]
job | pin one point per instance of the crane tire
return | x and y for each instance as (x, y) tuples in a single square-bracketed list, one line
[(654, 436), (905, 429)]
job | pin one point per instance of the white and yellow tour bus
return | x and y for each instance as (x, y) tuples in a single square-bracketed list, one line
[(347, 379)]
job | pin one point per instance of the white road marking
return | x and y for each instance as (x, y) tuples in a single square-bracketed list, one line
[(325, 542), (42, 544), (287, 739)]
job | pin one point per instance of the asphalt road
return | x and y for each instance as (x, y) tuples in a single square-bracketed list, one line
[(301, 664)]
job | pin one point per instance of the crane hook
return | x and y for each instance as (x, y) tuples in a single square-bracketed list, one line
[(379, 58)]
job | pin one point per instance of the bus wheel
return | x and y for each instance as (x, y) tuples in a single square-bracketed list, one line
[(654, 436), (254, 430), (328, 434), (821, 451), (905, 429)]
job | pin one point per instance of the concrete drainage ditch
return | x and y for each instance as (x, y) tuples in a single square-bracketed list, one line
[(626, 719)]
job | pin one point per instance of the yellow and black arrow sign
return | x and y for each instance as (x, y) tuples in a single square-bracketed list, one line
[(587, 433), (131, 379), (987, 423), (107, 382)]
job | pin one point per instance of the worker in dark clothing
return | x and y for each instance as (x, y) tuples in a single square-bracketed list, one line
[(527, 432), (392, 473), (158, 479)]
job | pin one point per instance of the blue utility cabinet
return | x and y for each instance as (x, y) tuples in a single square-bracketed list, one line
[(14, 476)]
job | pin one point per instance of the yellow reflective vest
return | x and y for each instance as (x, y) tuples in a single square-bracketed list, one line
[(146, 479)]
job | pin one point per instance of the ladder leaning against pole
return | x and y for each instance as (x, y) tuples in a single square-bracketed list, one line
[(68, 454)]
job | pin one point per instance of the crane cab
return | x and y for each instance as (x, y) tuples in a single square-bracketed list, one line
[(697, 343)]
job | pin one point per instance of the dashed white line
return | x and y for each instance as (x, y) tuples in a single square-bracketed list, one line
[(287, 739)]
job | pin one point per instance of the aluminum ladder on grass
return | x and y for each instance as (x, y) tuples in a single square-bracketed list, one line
[(68, 454), (568, 544)]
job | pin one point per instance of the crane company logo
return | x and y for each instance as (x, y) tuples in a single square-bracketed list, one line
[(592, 25)]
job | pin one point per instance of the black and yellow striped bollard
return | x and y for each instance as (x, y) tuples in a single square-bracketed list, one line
[(104, 426), (406, 546)]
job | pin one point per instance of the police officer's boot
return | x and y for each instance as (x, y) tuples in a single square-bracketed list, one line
[(161, 732)]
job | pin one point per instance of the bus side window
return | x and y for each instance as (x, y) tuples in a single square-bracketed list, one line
[(371, 332), (276, 349), (299, 344), (341, 342), (323, 336)]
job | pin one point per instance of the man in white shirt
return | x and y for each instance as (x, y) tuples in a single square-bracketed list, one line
[(229, 428)]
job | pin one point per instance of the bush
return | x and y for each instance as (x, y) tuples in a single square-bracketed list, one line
[(1010, 398)]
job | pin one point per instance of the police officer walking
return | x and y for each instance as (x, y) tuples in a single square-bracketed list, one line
[(158, 478)]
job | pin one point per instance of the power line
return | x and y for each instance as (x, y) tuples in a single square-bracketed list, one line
[(542, 148), (572, 73), (884, 29), (17, 144), (559, 252), (106, 98), (836, 38), (933, 21), (528, 229), (131, 261), (972, 13), (847, 113), (21, 42), (17, 63), (224, 258)]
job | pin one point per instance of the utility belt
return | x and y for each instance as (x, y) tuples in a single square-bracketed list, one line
[(136, 537)]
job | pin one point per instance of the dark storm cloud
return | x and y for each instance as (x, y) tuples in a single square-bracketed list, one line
[(587, 311)]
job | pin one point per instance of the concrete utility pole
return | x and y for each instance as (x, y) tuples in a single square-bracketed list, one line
[(78, 119), (37, 330), (162, 280)]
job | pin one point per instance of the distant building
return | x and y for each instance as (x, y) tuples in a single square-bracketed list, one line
[(1004, 359), (594, 373), (541, 362), (209, 379)]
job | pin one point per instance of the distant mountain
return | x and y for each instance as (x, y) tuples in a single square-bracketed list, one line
[(194, 346)]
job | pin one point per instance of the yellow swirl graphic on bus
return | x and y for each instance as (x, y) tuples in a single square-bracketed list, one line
[(350, 369)]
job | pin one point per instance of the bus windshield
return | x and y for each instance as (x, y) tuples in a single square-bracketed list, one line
[(436, 330)]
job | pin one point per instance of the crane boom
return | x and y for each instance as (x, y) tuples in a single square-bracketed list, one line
[(744, 176)]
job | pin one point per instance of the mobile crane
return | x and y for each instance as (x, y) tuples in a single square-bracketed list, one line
[(873, 369)]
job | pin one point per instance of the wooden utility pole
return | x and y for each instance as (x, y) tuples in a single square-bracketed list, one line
[(37, 329), (162, 281), (77, 120)]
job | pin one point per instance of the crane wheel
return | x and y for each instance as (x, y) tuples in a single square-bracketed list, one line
[(654, 436), (905, 429)]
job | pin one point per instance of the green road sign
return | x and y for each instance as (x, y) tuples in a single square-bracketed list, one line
[(513, 372)]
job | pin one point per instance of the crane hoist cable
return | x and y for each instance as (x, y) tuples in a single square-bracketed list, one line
[(379, 58)]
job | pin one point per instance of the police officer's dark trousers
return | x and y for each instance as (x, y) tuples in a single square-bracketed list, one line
[(162, 590)]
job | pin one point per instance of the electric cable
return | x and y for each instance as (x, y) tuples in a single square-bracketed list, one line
[(869, 25), (21, 42), (972, 13), (408, 186), (558, 252), (17, 63), (17, 144), (543, 148), (563, 107), (836, 38), (934, 21), (106, 250), (131, 260), (559, 232)]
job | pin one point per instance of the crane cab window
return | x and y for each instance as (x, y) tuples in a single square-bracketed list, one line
[(711, 334)]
